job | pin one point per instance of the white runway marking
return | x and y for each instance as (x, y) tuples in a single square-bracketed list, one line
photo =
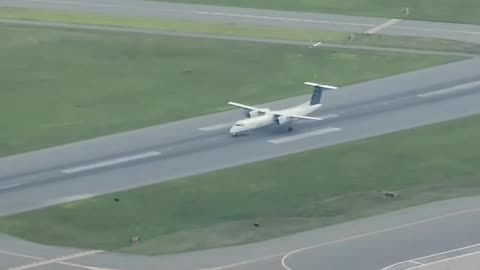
[(9, 186), (286, 254), (59, 262), (85, 266), (56, 260), (199, 12), (316, 44), (416, 263), (451, 89), (363, 235), (304, 135), (20, 255), (443, 256), (328, 116), (250, 16), (215, 127), (437, 30), (444, 260), (383, 26), (111, 162)]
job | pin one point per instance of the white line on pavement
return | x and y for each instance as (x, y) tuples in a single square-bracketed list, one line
[(383, 26), (451, 89), (111, 162), (304, 135)]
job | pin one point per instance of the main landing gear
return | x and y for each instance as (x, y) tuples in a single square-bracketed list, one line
[(290, 129)]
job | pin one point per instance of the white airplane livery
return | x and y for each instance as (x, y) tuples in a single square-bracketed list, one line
[(261, 117)]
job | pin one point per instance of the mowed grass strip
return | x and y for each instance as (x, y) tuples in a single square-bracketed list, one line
[(284, 195), (59, 86), (238, 30), (459, 11)]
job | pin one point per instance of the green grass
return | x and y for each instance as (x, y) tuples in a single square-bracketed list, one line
[(60, 86), (460, 11), (327, 186), (240, 30)]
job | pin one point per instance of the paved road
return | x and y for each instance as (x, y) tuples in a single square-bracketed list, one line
[(198, 145), (258, 17), (236, 38), (390, 238), (202, 144)]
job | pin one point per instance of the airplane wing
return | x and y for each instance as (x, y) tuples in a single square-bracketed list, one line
[(297, 116), (248, 107), (277, 113)]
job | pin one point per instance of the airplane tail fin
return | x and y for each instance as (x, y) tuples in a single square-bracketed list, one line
[(317, 91)]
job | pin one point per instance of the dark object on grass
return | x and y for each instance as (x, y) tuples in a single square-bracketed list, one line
[(135, 240), (116, 199), (256, 225), (390, 195)]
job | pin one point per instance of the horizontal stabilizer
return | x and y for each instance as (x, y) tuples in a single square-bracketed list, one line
[(321, 85)]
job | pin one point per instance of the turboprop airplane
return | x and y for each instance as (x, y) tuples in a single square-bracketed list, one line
[(261, 117)]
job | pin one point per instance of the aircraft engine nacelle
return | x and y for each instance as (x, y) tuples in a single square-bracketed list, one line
[(254, 113), (282, 119)]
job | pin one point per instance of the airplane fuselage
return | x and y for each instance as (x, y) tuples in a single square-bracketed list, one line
[(270, 118)]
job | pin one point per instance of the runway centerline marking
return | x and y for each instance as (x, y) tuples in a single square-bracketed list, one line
[(322, 131), (418, 260), (451, 89), (237, 15), (56, 260), (382, 26), (9, 186), (279, 18), (248, 16), (111, 162), (218, 126)]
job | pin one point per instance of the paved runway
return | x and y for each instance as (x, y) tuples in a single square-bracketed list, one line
[(202, 144), (234, 38), (362, 110), (367, 244), (247, 16)]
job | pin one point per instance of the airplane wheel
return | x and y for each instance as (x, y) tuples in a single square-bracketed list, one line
[(290, 129), (234, 134)]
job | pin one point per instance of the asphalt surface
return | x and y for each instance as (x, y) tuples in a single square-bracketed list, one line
[(184, 148), (234, 38), (367, 244), (202, 144), (194, 145), (248, 16)]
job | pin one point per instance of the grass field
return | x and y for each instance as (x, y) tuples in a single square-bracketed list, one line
[(328, 186), (59, 86), (239, 30), (461, 11)]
